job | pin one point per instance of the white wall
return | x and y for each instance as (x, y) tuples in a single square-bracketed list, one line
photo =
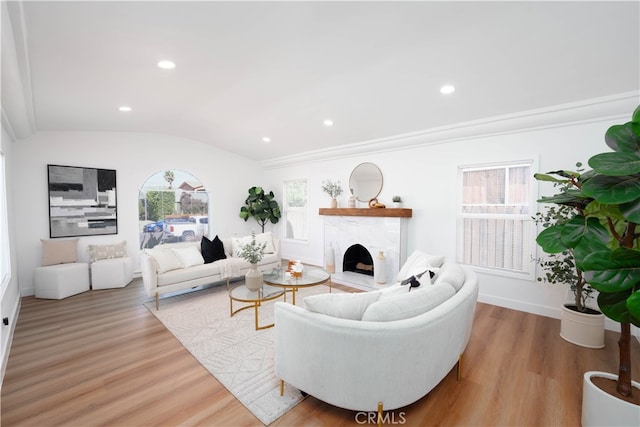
[(135, 157), (426, 178)]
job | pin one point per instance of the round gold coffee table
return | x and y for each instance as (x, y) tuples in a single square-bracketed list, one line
[(311, 276), (255, 298)]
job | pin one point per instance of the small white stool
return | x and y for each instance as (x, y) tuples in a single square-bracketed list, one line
[(111, 273), (61, 280)]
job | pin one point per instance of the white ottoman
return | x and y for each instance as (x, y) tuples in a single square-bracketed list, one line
[(111, 273), (61, 280)]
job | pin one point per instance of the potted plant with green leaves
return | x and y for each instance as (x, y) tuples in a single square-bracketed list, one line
[(253, 252), (262, 206), (333, 189), (397, 201), (579, 324), (605, 239)]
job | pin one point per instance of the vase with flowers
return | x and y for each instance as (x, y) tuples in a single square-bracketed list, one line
[(333, 189), (253, 252)]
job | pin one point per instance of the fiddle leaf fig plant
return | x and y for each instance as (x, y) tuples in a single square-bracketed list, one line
[(261, 206), (603, 232)]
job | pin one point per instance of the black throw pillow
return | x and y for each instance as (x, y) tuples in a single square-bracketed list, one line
[(212, 250)]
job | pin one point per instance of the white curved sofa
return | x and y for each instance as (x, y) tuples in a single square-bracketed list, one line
[(355, 364), (161, 275)]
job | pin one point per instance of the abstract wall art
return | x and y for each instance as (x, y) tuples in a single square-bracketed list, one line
[(82, 201)]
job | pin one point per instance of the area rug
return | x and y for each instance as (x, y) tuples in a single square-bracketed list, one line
[(230, 348)]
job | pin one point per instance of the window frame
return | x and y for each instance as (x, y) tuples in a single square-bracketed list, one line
[(5, 241), (528, 246), (285, 210)]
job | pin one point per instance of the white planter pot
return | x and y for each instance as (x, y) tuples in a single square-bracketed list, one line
[(253, 278), (599, 408), (583, 329)]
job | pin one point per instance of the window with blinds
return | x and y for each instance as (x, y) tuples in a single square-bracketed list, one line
[(495, 227)]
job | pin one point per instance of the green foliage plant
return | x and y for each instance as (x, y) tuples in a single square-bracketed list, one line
[(560, 267), (333, 189), (396, 199), (262, 206), (253, 251), (603, 231)]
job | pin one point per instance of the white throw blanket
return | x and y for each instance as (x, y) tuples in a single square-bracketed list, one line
[(229, 267)]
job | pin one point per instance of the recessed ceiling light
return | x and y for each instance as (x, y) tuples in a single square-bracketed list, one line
[(166, 65), (125, 108), (266, 139), (447, 89), (328, 122)]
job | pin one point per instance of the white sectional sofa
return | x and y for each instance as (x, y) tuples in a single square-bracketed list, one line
[(390, 346), (176, 266)]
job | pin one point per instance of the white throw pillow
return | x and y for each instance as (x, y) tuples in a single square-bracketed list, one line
[(165, 259), (410, 304), (417, 263), (450, 273), (188, 257), (344, 306)]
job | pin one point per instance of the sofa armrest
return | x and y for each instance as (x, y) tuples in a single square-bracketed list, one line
[(149, 273)]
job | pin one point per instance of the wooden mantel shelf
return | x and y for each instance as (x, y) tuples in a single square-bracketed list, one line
[(380, 212)]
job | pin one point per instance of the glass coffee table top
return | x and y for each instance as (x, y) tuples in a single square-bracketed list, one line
[(311, 276)]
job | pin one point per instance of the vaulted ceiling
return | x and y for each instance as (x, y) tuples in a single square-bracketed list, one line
[(252, 70)]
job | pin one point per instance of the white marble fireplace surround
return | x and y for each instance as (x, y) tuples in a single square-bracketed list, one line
[(375, 234)]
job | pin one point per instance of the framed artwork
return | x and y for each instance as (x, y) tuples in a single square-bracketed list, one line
[(82, 201)]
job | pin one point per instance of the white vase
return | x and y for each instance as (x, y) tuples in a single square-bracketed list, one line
[(600, 408), (330, 259), (380, 268), (334, 203), (397, 204), (253, 278), (583, 329)]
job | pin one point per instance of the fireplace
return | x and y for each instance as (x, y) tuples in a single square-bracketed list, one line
[(358, 259), (369, 235)]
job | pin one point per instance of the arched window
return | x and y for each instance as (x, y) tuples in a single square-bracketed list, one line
[(173, 206)]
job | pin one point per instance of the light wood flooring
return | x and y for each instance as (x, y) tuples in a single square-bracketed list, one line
[(100, 358)]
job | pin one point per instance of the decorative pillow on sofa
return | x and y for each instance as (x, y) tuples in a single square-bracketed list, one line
[(410, 304), (212, 250), (116, 250), (237, 243), (344, 306), (417, 263), (450, 273), (165, 259), (59, 251), (188, 257)]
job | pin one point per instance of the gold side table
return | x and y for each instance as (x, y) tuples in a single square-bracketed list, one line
[(254, 298)]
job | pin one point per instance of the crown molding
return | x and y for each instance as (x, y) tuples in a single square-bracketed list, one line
[(17, 95), (612, 107)]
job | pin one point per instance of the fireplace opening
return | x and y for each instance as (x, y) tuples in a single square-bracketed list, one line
[(358, 259)]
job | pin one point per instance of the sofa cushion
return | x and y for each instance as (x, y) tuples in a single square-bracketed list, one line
[(212, 250), (409, 304), (116, 250), (59, 251), (188, 257), (165, 259), (237, 243), (450, 273), (192, 273), (417, 263), (344, 306)]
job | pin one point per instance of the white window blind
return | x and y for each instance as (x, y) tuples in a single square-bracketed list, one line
[(295, 210), (495, 226)]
